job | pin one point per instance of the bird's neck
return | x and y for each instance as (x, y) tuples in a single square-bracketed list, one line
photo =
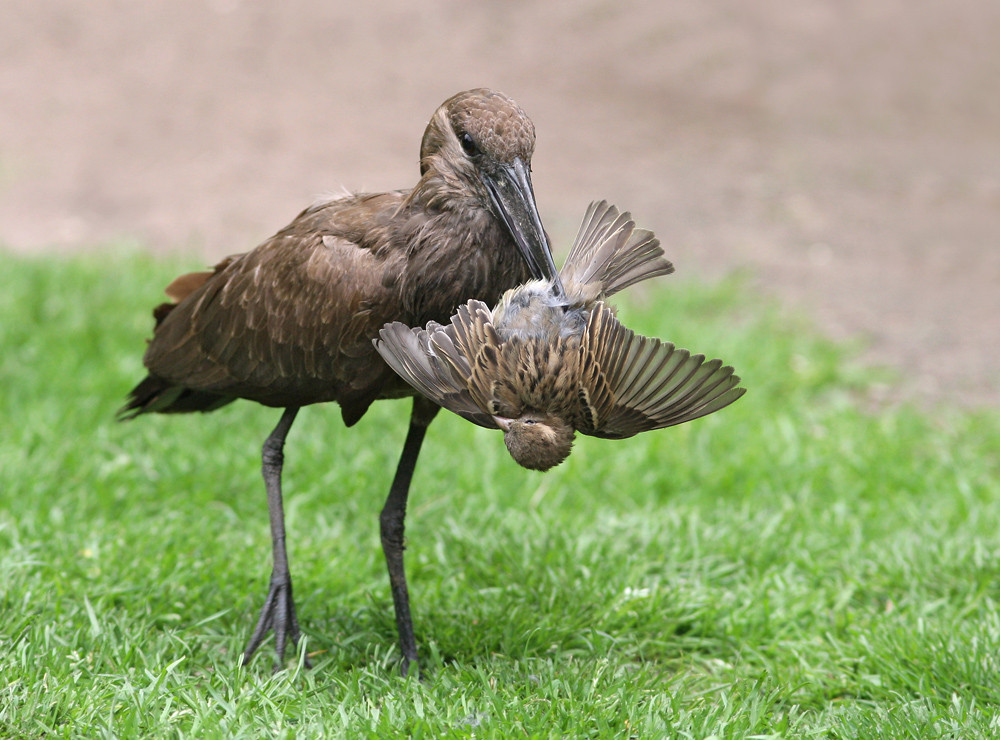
[(455, 251), (440, 190), (438, 216)]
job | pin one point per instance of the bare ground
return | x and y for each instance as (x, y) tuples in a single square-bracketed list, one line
[(846, 154)]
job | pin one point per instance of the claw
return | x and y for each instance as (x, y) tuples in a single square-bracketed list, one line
[(278, 613)]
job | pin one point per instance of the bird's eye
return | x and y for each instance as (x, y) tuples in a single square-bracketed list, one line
[(529, 421), (468, 145)]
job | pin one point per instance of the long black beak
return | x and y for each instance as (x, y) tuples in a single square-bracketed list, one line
[(513, 199)]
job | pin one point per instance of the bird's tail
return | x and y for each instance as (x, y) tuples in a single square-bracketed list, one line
[(610, 251), (154, 394)]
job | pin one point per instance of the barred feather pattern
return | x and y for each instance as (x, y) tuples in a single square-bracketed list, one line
[(564, 360)]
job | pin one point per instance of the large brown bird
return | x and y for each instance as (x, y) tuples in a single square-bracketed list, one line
[(548, 362), (291, 322)]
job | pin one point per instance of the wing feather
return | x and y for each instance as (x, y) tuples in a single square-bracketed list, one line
[(291, 319), (642, 383), (454, 365)]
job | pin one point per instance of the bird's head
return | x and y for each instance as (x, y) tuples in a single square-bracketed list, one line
[(537, 441), (478, 146)]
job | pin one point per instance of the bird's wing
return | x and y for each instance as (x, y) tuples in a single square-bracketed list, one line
[(611, 253), (631, 383), (429, 361), (474, 349), (291, 319)]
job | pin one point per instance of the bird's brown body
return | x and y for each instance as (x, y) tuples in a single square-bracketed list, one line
[(545, 363), (291, 322)]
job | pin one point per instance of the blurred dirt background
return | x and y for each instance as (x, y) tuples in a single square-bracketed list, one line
[(844, 154)]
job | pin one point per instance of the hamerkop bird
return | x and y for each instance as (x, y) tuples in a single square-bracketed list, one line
[(291, 322), (548, 361)]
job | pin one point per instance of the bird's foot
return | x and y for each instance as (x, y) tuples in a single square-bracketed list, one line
[(278, 613), (409, 663), (405, 665)]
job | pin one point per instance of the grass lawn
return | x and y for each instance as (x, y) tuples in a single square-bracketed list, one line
[(793, 566)]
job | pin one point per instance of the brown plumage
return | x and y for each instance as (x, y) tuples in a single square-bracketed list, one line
[(546, 363), (291, 322)]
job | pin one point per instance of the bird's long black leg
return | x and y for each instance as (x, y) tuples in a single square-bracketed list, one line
[(278, 612), (392, 525)]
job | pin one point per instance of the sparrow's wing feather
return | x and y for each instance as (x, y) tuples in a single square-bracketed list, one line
[(429, 361), (641, 383), (471, 345)]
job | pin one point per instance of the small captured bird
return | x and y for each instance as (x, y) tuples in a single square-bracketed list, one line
[(291, 322), (553, 360)]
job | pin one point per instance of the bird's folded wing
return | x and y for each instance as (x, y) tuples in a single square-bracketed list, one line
[(636, 383), (293, 316), (429, 361)]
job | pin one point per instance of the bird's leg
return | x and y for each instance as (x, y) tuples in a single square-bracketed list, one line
[(391, 521), (278, 611)]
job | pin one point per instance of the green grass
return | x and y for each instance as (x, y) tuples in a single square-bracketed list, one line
[(793, 566)]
